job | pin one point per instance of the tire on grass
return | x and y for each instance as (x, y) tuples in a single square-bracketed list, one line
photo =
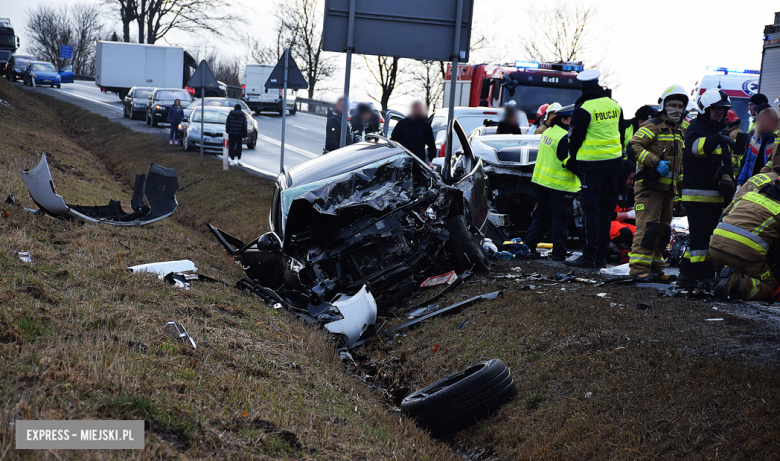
[(459, 400)]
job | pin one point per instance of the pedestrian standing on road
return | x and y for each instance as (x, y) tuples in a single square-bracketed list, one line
[(333, 128), (596, 151), (175, 116), (555, 188), (364, 122), (509, 124), (415, 133), (641, 115), (235, 126), (658, 145), (755, 100), (707, 185)]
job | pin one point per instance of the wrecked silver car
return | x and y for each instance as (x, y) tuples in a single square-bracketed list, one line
[(158, 187), (369, 215)]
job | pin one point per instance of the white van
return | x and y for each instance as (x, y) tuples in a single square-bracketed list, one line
[(257, 96), (739, 85)]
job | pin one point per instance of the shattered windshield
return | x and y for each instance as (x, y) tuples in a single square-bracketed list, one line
[(288, 195)]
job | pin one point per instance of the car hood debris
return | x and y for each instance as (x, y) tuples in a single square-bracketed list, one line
[(158, 187)]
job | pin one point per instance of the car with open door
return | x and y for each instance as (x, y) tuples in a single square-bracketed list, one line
[(373, 215), (66, 74)]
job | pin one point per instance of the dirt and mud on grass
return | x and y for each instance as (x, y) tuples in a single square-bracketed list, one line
[(598, 378)]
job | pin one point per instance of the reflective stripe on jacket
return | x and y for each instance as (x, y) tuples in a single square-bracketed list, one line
[(548, 171), (659, 139)]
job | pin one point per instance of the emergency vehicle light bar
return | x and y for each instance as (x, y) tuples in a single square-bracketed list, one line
[(732, 70), (561, 66)]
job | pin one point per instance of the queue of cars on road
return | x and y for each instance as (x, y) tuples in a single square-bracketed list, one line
[(29, 70)]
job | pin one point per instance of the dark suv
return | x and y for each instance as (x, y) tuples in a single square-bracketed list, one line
[(17, 63), (161, 99), (136, 100)]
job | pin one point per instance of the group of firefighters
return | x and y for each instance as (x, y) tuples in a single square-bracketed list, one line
[(584, 148)]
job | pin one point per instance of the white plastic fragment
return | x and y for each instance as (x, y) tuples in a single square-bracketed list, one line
[(164, 268), (23, 256), (358, 312)]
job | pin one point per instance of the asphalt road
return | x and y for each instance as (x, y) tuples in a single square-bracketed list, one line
[(305, 134)]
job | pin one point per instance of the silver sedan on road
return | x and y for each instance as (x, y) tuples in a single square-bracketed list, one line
[(213, 127)]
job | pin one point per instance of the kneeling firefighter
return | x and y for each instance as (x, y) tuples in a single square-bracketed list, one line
[(707, 185), (745, 242), (657, 147), (555, 187)]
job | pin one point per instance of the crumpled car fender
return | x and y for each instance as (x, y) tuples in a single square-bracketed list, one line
[(358, 311)]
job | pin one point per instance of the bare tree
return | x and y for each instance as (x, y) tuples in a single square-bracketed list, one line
[(428, 77), (77, 25), (299, 28), (565, 32), (384, 70), (156, 18), (226, 69)]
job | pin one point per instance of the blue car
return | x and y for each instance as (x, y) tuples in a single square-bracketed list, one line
[(43, 73), (66, 74)]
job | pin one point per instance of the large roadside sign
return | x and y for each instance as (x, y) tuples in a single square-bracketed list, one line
[(405, 28)]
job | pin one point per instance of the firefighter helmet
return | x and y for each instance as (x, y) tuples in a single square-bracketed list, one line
[(713, 98)]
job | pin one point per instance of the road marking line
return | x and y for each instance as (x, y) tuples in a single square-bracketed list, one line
[(312, 115), (93, 101), (301, 127), (287, 146), (252, 168), (263, 116)]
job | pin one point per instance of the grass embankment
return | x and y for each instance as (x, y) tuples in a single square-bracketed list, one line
[(81, 338)]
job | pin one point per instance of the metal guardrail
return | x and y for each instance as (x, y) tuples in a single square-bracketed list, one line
[(86, 78), (314, 107)]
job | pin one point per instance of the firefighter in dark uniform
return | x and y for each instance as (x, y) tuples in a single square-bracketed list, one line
[(657, 147), (596, 151), (707, 185), (745, 242)]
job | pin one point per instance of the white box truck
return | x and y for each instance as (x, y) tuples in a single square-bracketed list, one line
[(769, 84), (120, 66), (257, 96)]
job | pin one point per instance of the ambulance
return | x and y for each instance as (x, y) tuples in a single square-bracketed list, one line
[(739, 85)]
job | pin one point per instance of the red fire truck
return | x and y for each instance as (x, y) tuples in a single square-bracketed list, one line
[(530, 84)]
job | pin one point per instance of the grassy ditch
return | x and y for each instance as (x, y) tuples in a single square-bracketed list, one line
[(81, 338), (598, 378)]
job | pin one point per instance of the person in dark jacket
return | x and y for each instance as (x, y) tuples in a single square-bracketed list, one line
[(707, 185), (235, 126), (364, 122), (596, 154), (509, 124), (333, 128), (761, 148), (632, 125), (415, 133), (175, 116)]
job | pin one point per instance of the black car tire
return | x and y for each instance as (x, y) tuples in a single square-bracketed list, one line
[(466, 250), (154, 121), (293, 110), (59, 86), (459, 400), (252, 141), (147, 118), (124, 112)]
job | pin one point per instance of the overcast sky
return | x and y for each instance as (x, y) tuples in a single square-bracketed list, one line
[(647, 45)]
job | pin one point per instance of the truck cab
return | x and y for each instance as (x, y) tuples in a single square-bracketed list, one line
[(528, 83), (9, 42)]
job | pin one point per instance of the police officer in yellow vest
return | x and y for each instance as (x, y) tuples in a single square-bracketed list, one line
[(596, 151), (657, 147), (745, 242), (555, 188)]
